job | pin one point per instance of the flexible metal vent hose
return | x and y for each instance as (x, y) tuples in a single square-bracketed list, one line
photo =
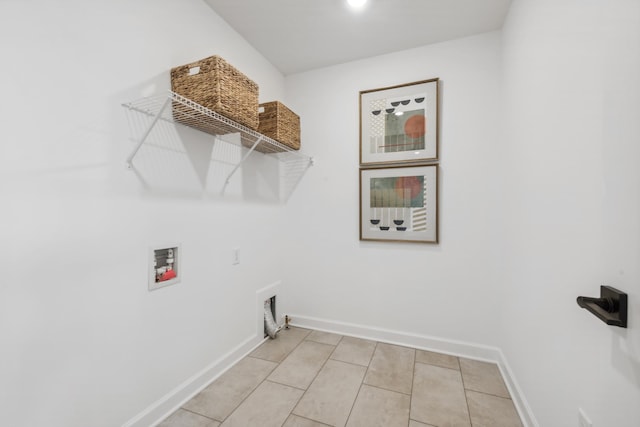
[(270, 325)]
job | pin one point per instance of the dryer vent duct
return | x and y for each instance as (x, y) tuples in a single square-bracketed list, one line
[(271, 328)]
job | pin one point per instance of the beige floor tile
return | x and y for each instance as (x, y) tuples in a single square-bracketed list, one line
[(296, 421), (277, 349), (376, 407), (330, 396), (182, 418), (324, 337), (437, 359), (492, 411), (349, 382), (483, 377), (302, 365), (268, 406), (438, 397), (354, 350), (391, 368), (222, 396)]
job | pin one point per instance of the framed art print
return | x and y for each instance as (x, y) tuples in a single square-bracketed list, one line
[(399, 124), (399, 204)]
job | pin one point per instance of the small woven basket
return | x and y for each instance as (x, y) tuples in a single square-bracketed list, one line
[(217, 85), (280, 123)]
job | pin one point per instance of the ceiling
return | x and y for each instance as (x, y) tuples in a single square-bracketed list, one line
[(301, 35)]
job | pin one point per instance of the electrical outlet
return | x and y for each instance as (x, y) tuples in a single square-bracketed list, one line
[(236, 256), (583, 420)]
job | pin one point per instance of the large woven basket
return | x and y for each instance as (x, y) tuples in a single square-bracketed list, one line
[(280, 123), (217, 85)]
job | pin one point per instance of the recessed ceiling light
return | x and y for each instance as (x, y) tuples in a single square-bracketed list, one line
[(356, 3)]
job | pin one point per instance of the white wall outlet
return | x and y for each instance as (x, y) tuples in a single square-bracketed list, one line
[(236, 256), (583, 420)]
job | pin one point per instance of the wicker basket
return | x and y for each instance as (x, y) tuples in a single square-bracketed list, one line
[(280, 123), (217, 85)]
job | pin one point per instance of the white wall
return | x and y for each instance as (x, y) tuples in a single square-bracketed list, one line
[(83, 341), (571, 207), (446, 290)]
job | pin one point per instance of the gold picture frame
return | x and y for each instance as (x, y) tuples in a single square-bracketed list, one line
[(399, 204), (399, 124)]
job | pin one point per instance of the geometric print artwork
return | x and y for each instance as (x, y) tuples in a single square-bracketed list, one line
[(419, 216), (398, 203), (399, 163), (377, 121), (397, 124)]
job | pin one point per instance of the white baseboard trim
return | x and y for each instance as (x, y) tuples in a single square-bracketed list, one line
[(166, 405), (163, 407), (522, 406), (423, 342)]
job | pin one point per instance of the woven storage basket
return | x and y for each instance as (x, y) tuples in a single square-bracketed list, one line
[(217, 85), (280, 123)]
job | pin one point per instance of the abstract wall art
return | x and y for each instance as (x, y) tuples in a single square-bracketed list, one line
[(399, 204), (399, 124)]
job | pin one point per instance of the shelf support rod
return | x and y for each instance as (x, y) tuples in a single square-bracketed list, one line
[(146, 133), (253, 147)]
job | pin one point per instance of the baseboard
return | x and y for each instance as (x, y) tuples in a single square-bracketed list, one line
[(163, 407), (524, 410), (423, 342), (159, 410)]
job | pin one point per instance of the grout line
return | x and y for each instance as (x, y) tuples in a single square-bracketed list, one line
[(305, 392), (348, 363), (286, 385), (361, 384), (413, 378), (247, 396), (334, 350), (466, 400), (320, 342), (266, 377), (294, 406), (438, 366), (193, 412), (314, 377), (487, 394), (355, 400), (310, 419), (386, 389), (260, 358), (429, 425)]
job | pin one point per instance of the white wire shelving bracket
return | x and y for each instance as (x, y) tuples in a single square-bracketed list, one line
[(186, 112)]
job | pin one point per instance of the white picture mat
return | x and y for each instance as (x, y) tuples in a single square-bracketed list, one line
[(430, 151), (430, 173)]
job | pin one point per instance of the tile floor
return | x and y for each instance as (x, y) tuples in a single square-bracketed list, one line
[(309, 378)]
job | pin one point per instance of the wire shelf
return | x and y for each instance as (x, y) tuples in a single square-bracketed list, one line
[(186, 112)]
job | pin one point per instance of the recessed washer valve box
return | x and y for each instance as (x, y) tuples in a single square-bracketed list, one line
[(164, 266)]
